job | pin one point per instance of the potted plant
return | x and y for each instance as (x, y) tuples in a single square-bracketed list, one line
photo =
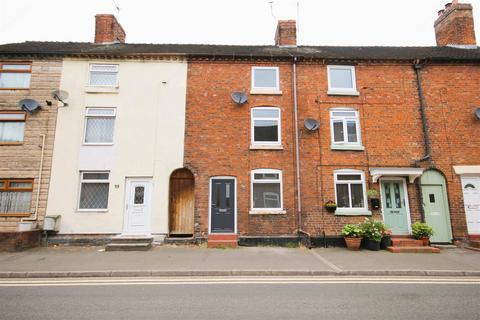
[(422, 231), (374, 199), (386, 239), (372, 233), (352, 233), (331, 206)]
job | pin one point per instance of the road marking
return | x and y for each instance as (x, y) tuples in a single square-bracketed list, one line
[(236, 281), (324, 260)]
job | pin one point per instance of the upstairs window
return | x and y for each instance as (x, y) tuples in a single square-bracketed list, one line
[(15, 76), (12, 127), (94, 187), (99, 125), (265, 79), (105, 75), (341, 80), (266, 126), (267, 190), (350, 189), (15, 196), (345, 127)]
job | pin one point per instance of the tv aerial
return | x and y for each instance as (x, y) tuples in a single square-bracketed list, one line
[(29, 105), (61, 96), (311, 124), (239, 97)]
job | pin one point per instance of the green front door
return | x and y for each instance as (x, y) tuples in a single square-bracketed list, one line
[(436, 212), (394, 206)]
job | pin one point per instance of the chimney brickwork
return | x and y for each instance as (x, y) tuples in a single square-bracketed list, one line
[(108, 30), (454, 25), (286, 34)]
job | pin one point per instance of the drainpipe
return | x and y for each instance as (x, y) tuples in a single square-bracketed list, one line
[(418, 67), (37, 201), (297, 148)]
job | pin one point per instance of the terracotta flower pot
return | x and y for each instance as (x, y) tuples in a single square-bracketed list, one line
[(425, 241), (353, 243)]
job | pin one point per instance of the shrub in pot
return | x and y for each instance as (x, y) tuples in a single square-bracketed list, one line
[(331, 206), (386, 239), (422, 231), (372, 233), (352, 233)]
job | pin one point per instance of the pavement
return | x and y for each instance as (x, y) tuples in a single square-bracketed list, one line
[(64, 261)]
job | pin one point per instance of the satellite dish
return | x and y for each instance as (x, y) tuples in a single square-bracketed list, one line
[(60, 95), (477, 113), (29, 105), (311, 124), (239, 97)]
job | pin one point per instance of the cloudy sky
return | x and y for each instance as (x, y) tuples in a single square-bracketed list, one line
[(321, 22)]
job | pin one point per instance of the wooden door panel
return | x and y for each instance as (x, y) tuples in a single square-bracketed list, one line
[(182, 202)]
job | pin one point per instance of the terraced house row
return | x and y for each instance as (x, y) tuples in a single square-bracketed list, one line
[(240, 143)]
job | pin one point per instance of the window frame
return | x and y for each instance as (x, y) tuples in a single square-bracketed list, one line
[(342, 91), (275, 89), (253, 181), (91, 65), (363, 210), (7, 187), (344, 119), (23, 63), (82, 181), (24, 120), (114, 116), (279, 128)]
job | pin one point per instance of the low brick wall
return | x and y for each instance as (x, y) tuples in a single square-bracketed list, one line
[(19, 240)]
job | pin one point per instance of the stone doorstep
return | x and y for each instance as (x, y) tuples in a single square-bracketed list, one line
[(132, 239), (414, 249), (138, 246)]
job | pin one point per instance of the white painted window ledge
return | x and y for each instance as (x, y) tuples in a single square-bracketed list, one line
[(267, 211), (352, 212), (343, 93), (266, 147), (260, 91), (347, 147), (99, 89)]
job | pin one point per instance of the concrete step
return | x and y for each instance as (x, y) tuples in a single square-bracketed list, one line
[(474, 243), (222, 241), (406, 242), (132, 239), (180, 241), (414, 249), (138, 246)]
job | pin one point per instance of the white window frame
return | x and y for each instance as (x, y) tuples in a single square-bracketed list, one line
[(350, 210), (87, 115), (275, 89), (345, 144), (253, 181), (267, 144), (342, 91), (102, 64), (82, 181)]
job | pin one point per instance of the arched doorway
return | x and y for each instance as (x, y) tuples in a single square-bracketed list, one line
[(182, 203), (435, 205)]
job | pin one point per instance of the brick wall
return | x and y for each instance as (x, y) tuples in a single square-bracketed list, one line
[(23, 161)]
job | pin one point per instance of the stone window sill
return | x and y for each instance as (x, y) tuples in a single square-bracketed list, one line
[(99, 89), (259, 91), (353, 93), (352, 212), (347, 147), (266, 147), (257, 212)]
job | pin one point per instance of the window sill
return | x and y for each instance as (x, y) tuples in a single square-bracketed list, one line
[(92, 210), (352, 212), (97, 144), (257, 212), (265, 91), (13, 89), (11, 143), (15, 214), (343, 93), (347, 147), (266, 147), (98, 89)]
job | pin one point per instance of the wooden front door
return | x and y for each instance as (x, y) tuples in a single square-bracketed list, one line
[(394, 206), (436, 214), (182, 203)]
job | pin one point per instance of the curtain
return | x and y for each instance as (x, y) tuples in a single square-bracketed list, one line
[(11, 131), (15, 202)]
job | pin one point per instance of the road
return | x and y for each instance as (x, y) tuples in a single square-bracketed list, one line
[(241, 298)]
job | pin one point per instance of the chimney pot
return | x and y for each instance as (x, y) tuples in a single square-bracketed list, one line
[(286, 34), (108, 30), (440, 12), (448, 5), (455, 26)]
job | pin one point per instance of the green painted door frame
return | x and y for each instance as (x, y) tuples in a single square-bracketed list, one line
[(435, 205)]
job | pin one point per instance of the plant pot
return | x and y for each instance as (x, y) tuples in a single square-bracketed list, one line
[(386, 242), (353, 243), (372, 245), (330, 209), (425, 241), (375, 203)]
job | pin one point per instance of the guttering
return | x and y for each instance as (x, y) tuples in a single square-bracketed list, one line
[(418, 66), (297, 148)]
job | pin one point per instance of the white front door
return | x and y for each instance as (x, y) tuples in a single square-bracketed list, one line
[(138, 206), (471, 199)]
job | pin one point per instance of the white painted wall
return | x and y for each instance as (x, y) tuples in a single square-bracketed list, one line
[(148, 141)]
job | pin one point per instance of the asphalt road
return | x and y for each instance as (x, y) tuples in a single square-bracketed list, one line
[(255, 298)]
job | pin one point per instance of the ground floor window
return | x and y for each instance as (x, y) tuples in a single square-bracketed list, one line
[(94, 187), (350, 189), (267, 189), (15, 196)]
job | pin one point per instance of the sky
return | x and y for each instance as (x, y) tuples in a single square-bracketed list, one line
[(320, 22)]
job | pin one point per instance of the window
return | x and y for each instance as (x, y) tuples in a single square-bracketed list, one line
[(15, 76), (266, 127), (12, 126), (267, 190), (341, 80), (350, 190), (94, 188), (265, 79), (345, 128), (15, 196), (104, 75), (99, 125)]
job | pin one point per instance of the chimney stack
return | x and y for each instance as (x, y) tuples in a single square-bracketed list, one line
[(108, 30), (454, 25), (286, 34)]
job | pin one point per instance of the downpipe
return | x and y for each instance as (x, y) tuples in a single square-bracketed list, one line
[(297, 148), (418, 66)]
